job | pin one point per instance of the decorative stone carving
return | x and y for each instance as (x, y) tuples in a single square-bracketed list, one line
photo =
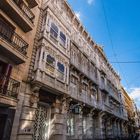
[(34, 95)]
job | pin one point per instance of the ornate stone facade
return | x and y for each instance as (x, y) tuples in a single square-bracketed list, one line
[(68, 91)]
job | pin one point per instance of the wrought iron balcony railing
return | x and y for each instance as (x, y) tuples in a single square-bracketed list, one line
[(13, 38), (9, 87), (25, 9)]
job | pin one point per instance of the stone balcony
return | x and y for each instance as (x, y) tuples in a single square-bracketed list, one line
[(53, 81), (19, 12), (104, 88), (89, 74), (107, 108), (82, 96)]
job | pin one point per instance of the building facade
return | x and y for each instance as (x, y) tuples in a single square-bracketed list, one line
[(18, 24), (132, 113), (64, 86)]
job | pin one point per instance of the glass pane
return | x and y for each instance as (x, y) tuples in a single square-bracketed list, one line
[(50, 60), (60, 67)]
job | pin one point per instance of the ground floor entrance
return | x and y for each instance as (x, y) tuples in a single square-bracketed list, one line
[(42, 122), (6, 122)]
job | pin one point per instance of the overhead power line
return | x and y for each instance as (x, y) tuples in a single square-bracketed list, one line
[(129, 62), (111, 41)]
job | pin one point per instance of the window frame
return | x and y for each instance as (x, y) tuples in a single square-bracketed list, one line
[(61, 64), (63, 41), (54, 30), (51, 57)]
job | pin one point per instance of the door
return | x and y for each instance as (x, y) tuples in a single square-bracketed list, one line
[(5, 72), (2, 125), (42, 123)]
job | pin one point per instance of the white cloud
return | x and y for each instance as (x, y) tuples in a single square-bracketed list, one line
[(90, 1), (135, 94), (78, 14)]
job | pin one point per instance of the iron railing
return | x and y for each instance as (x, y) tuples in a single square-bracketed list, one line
[(9, 87), (13, 38), (25, 9)]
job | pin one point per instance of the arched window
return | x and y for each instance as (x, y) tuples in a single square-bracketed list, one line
[(61, 67), (50, 60), (54, 30), (62, 38)]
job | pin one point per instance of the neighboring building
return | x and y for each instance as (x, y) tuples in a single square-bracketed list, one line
[(66, 88), (133, 124), (18, 24), (136, 117)]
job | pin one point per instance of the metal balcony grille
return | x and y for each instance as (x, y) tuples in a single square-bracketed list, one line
[(10, 89), (12, 38), (25, 9)]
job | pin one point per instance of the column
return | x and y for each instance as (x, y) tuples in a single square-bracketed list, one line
[(59, 120), (26, 125), (18, 112), (99, 126)]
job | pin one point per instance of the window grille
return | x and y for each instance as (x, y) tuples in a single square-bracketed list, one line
[(41, 125)]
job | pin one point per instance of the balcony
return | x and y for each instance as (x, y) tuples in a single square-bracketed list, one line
[(53, 82), (104, 88), (32, 3), (12, 44), (74, 91), (19, 12), (108, 108), (8, 91)]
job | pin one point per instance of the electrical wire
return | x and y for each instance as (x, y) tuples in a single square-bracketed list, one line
[(111, 41), (126, 62)]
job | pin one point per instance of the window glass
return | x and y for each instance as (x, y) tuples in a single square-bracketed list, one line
[(60, 67), (63, 38), (54, 30), (70, 125), (50, 60), (84, 125)]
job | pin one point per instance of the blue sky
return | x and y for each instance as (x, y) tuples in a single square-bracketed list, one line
[(123, 19)]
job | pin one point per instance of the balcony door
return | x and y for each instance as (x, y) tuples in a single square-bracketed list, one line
[(6, 29), (5, 72)]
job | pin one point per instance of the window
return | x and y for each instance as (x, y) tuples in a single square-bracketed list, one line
[(74, 80), (43, 55), (84, 125), (63, 38), (50, 60), (60, 67), (85, 87), (70, 125), (54, 30), (102, 80)]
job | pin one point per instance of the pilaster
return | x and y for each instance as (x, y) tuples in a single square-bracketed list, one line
[(27, 117)]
